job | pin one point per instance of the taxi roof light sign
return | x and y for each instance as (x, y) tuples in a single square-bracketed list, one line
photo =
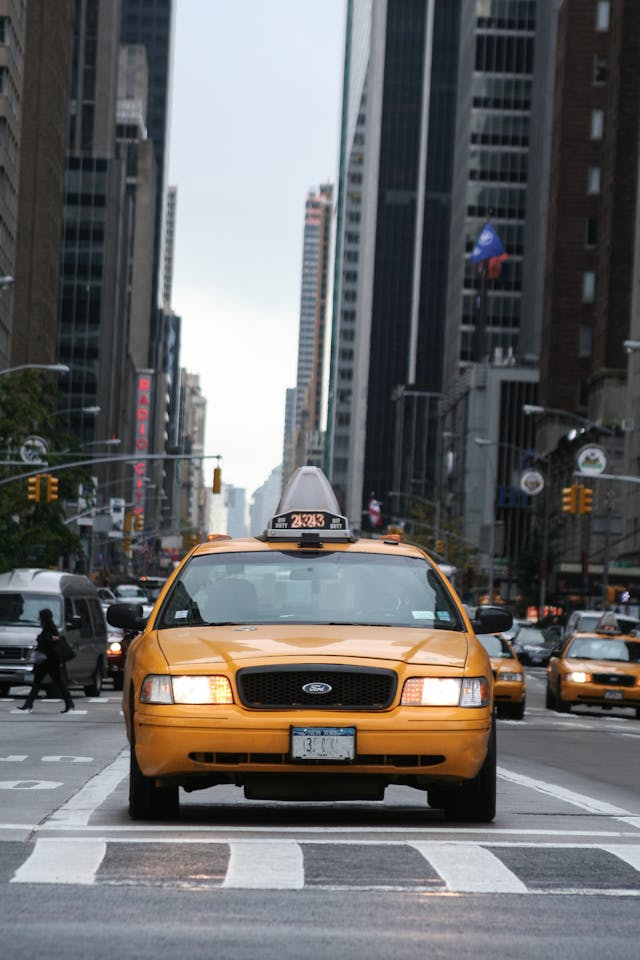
[(307, 507)]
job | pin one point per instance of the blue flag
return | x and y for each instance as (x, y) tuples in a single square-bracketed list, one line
[(488, 245)]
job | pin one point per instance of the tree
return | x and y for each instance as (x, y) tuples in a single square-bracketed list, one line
[(33, 533)]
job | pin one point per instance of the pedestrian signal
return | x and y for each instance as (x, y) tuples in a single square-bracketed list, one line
[(570, 499), (33, 488), (138, 523)]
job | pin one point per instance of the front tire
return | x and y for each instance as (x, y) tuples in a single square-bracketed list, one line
[(475, 800), (148, 801), (561, 705), (94, 689), (550, 700)]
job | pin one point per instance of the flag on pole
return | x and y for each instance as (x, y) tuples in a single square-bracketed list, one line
[(494, 265), (488, 246)]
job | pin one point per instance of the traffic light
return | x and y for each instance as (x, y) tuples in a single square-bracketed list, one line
[(217, 480), (33, 488), (138, 523), (440, 547), (585, 501), (570, 499), (52, 488)]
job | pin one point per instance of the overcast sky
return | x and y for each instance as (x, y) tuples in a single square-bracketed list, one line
[(254, 125)]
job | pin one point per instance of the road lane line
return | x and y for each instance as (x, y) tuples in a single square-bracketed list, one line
[(561, 793), (265, 866), (77, 811), (468, 868), (62, 861)]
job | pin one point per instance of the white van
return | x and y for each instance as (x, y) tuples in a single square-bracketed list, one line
[(77, 611)]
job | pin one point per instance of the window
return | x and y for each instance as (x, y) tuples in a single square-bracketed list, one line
[(584, 347), (600, 69), (588, 286), (594, 179), (597, 124), (592, 232), (603, 12)]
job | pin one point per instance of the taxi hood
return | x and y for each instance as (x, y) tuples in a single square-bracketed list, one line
[(197, 648)]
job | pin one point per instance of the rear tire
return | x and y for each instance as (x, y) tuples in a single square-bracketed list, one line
[(475, 800), (148, 801), (517, 710)]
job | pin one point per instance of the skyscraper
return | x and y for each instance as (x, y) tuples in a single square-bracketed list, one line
[(393, 211), (303, 430)]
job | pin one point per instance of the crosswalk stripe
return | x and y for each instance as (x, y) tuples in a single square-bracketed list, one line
[(468, 868), (260, 865), (630, 854), (62, 861)]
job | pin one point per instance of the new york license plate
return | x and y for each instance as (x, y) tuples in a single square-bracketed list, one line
[(613, 694), (323, 743)]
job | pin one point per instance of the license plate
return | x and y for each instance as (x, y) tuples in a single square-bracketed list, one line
[(613, 694), (323, 743)]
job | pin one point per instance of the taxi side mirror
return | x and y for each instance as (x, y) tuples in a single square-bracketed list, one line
[(489, 619), (126, 616)]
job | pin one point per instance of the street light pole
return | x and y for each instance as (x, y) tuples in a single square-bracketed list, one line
[(529, 408), (484, 442)]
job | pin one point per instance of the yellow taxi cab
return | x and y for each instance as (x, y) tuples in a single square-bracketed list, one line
[(307, 664), (598, 668), (510, 688)]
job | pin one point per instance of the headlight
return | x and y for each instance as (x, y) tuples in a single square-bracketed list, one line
[(445, 692), (512, 677), (160, 688), (578, 676)]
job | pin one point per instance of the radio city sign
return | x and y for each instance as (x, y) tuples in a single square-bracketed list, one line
[(144, 397)]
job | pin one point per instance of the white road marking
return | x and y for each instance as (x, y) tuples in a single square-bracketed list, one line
[(14, 758), (265, 866), (63, 759), (561, 793), (62, 861), (30, 785), (630, 854), (469, 868), (77, 811)]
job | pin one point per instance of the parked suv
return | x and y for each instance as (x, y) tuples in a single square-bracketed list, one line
[(76, 609)]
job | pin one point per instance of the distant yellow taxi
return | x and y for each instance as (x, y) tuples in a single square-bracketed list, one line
[(510, 687), (307, 664), (599, 668)]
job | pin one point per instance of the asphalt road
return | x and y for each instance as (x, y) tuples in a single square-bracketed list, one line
[(557, 873)]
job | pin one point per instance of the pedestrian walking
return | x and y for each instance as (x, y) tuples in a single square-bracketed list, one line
[(48, 655)]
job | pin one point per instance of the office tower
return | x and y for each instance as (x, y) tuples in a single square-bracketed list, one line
[(392, 238), (43, 145), (168, 247), (497, 44), (92, 294), (150, 23), (12, 42), (306, 425)]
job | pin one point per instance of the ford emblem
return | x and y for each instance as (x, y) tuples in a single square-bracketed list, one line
[(317, 687)]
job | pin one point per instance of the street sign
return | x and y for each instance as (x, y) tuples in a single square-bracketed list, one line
[(532, 482), (591, 460), (34, 450)]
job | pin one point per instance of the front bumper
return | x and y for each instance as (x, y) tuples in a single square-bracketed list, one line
[(600, 695), (183, 743), (509, 691)]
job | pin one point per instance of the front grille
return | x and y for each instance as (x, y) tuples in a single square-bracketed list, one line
[(614, 679), (20, 654), (277, 688)]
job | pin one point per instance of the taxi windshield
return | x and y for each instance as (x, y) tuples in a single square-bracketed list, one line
[(596, 648), (328, 587)]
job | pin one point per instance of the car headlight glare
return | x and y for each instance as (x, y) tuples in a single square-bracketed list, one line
[(162, 688), (578, 676), (445, 692), (114, 647), (511, 677)]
